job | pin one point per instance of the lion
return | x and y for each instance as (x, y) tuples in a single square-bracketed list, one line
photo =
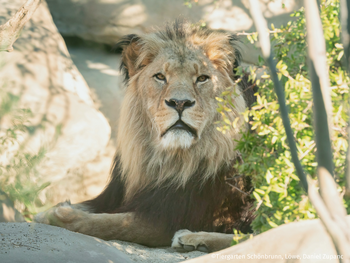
[(172, 181)]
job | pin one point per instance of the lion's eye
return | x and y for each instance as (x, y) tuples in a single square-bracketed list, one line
[(202, 78), (160, 76)]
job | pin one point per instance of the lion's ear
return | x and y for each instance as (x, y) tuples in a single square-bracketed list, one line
[(130, 47), (222, 49)]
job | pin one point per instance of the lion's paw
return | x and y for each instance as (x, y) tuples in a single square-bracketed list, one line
[(62, 215), (185, 241)]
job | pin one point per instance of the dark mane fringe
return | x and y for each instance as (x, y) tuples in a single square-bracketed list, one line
[(212, 206), (249, 88), (119, 47), (112, 196)]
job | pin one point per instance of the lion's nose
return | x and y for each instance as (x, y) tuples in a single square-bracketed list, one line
[(179, 105)]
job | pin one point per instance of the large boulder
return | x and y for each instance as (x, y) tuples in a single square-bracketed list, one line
[(106, 21), (28, 242), (305, 241), (25, 242), (66, 121), (100, 69)]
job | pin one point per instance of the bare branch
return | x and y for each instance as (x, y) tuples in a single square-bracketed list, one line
[(323, 123), (264, 39), (333, 202), (10, 31), (261, 26), (335, 231), (319, 75)]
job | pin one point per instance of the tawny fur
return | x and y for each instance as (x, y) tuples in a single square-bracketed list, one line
[(166, 180)]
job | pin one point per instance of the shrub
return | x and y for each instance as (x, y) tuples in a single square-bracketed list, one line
[(19, 174), (279, 196)]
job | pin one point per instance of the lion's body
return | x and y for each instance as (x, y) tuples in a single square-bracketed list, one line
[(172, 165), (211, 206)]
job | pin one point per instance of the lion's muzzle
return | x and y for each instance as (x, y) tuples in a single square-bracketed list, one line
[(180, 125), (180, 105)]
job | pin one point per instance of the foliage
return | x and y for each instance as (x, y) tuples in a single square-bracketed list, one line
[(19, 174), (278, 193), (239, 237)]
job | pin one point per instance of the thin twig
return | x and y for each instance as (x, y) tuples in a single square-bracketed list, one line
[(307, 151), (235, 187), (10, 31), (342, 131), (253, 33), (262, 106), (235, 177)]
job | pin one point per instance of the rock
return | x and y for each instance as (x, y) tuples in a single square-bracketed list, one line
[(8, 212), (66, 121), (306, 239), (32, 242), (91, 178), (100, 69), (142, 254), (106, 21), (29, 242)]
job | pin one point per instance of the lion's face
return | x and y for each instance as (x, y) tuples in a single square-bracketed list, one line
[(179, 93), (167, 126)]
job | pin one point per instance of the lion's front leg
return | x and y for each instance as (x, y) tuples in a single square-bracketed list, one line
[(120, 226), (66, 216), (202, 241)]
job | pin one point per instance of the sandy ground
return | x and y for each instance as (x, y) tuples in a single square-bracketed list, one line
[(39, 243), (138, 253)]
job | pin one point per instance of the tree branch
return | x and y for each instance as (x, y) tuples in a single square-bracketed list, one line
[(334, 229), (10, 31), (319, 75)]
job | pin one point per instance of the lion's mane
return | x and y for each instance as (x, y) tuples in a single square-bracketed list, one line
[(175, 187)]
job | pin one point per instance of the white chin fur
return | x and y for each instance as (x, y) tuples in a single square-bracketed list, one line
[(177, 139)]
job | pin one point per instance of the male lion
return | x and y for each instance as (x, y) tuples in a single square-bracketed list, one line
[(173, 170)]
